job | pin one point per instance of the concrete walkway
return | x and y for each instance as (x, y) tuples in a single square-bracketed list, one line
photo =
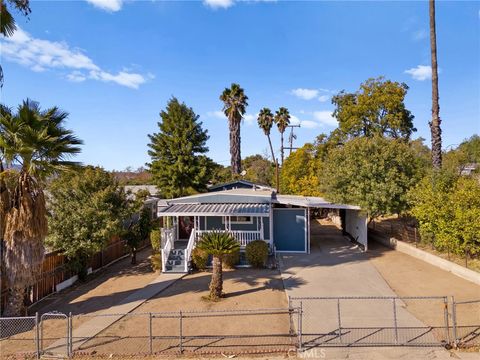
[(105, 318), (337, 268)]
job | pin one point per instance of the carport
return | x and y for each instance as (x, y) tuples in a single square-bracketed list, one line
[(291, 222)]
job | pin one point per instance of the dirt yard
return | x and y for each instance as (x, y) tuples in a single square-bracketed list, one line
[(227, 329), (102, 290)]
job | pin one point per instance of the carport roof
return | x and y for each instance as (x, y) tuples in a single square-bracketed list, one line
[(309, 201)]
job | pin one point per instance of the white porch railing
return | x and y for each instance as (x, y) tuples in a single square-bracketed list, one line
[(242, 236), (168, 240), (191, 244)]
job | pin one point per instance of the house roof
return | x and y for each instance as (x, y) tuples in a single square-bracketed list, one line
[(231, 184), (250, 196), (216, 209)]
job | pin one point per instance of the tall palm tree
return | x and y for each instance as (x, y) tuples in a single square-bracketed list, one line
[(436, 131), (282, 119), (33, 145), (7, 22), (218, 244), (265, 122), (234, 105)]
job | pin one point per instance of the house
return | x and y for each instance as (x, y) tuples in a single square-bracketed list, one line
[(238, 184), (283, 221)]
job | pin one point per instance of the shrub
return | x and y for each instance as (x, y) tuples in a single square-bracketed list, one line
[(256, 253), (156, 262), (156, 240), (230, 260), (199, 259)]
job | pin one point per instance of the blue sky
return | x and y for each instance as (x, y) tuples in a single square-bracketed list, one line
[(114, 64)]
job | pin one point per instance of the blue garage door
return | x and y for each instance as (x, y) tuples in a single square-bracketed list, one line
[(289, 229)]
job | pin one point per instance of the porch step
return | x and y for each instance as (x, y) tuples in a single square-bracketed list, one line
[(176, 261)]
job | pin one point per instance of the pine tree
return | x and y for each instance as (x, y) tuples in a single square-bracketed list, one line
[(178, 166)]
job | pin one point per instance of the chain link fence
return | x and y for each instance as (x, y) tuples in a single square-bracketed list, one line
[(307, 322), (372, 321), (466, 323)]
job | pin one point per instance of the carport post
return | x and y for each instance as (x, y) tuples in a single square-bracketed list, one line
[(37, 335), (395, 324), (445, 312), (339, 321)]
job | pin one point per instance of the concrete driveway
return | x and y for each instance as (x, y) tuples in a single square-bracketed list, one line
[(338, 268)]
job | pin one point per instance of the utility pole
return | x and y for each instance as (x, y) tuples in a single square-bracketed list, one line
[(292, 137)]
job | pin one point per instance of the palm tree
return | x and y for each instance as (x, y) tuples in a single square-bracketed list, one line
[(33, 145), (7, 22), (234, 105), (265, 122), (282, 119), (218, 244), (435, 129)]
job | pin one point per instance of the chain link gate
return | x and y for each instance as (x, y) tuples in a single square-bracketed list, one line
[(55, 334), (370, 321)]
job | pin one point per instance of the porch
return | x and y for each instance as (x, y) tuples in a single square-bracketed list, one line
[(184, 224)]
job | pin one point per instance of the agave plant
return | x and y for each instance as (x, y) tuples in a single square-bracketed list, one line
[(217, 244), (33, 145)]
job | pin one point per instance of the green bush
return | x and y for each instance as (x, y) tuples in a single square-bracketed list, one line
[(155, 240), (230, 260), (156, 262), (256, 253), (199, 259)]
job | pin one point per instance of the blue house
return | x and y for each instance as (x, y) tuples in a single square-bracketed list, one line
[(283, 221)]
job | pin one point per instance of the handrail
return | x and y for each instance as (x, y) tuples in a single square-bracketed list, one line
[(168, 239), (190, 246)]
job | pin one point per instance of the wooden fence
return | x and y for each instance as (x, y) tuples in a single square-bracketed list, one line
[(55, 270)]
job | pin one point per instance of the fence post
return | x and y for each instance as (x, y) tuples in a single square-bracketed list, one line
[(181, 333), (299, 325), (395, 324), (339, 321), (69, 336), (454, 322), (37, 335), (445, 312), (150, 337)]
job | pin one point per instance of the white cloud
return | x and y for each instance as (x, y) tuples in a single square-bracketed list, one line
[(419, 35), (323, 98), (216, 114), (225, 4), (108, 5), (305, 94), (217, 4), (309, 124), (42, 55), (421, 72), (250, 118), (325, 118), (76, 76), (320, 94)]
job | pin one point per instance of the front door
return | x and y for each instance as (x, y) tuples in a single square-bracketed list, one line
[(185, 227)]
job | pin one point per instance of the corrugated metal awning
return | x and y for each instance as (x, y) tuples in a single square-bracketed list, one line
[(216, 210)]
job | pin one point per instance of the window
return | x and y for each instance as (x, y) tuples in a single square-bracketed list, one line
[(239, 220)]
